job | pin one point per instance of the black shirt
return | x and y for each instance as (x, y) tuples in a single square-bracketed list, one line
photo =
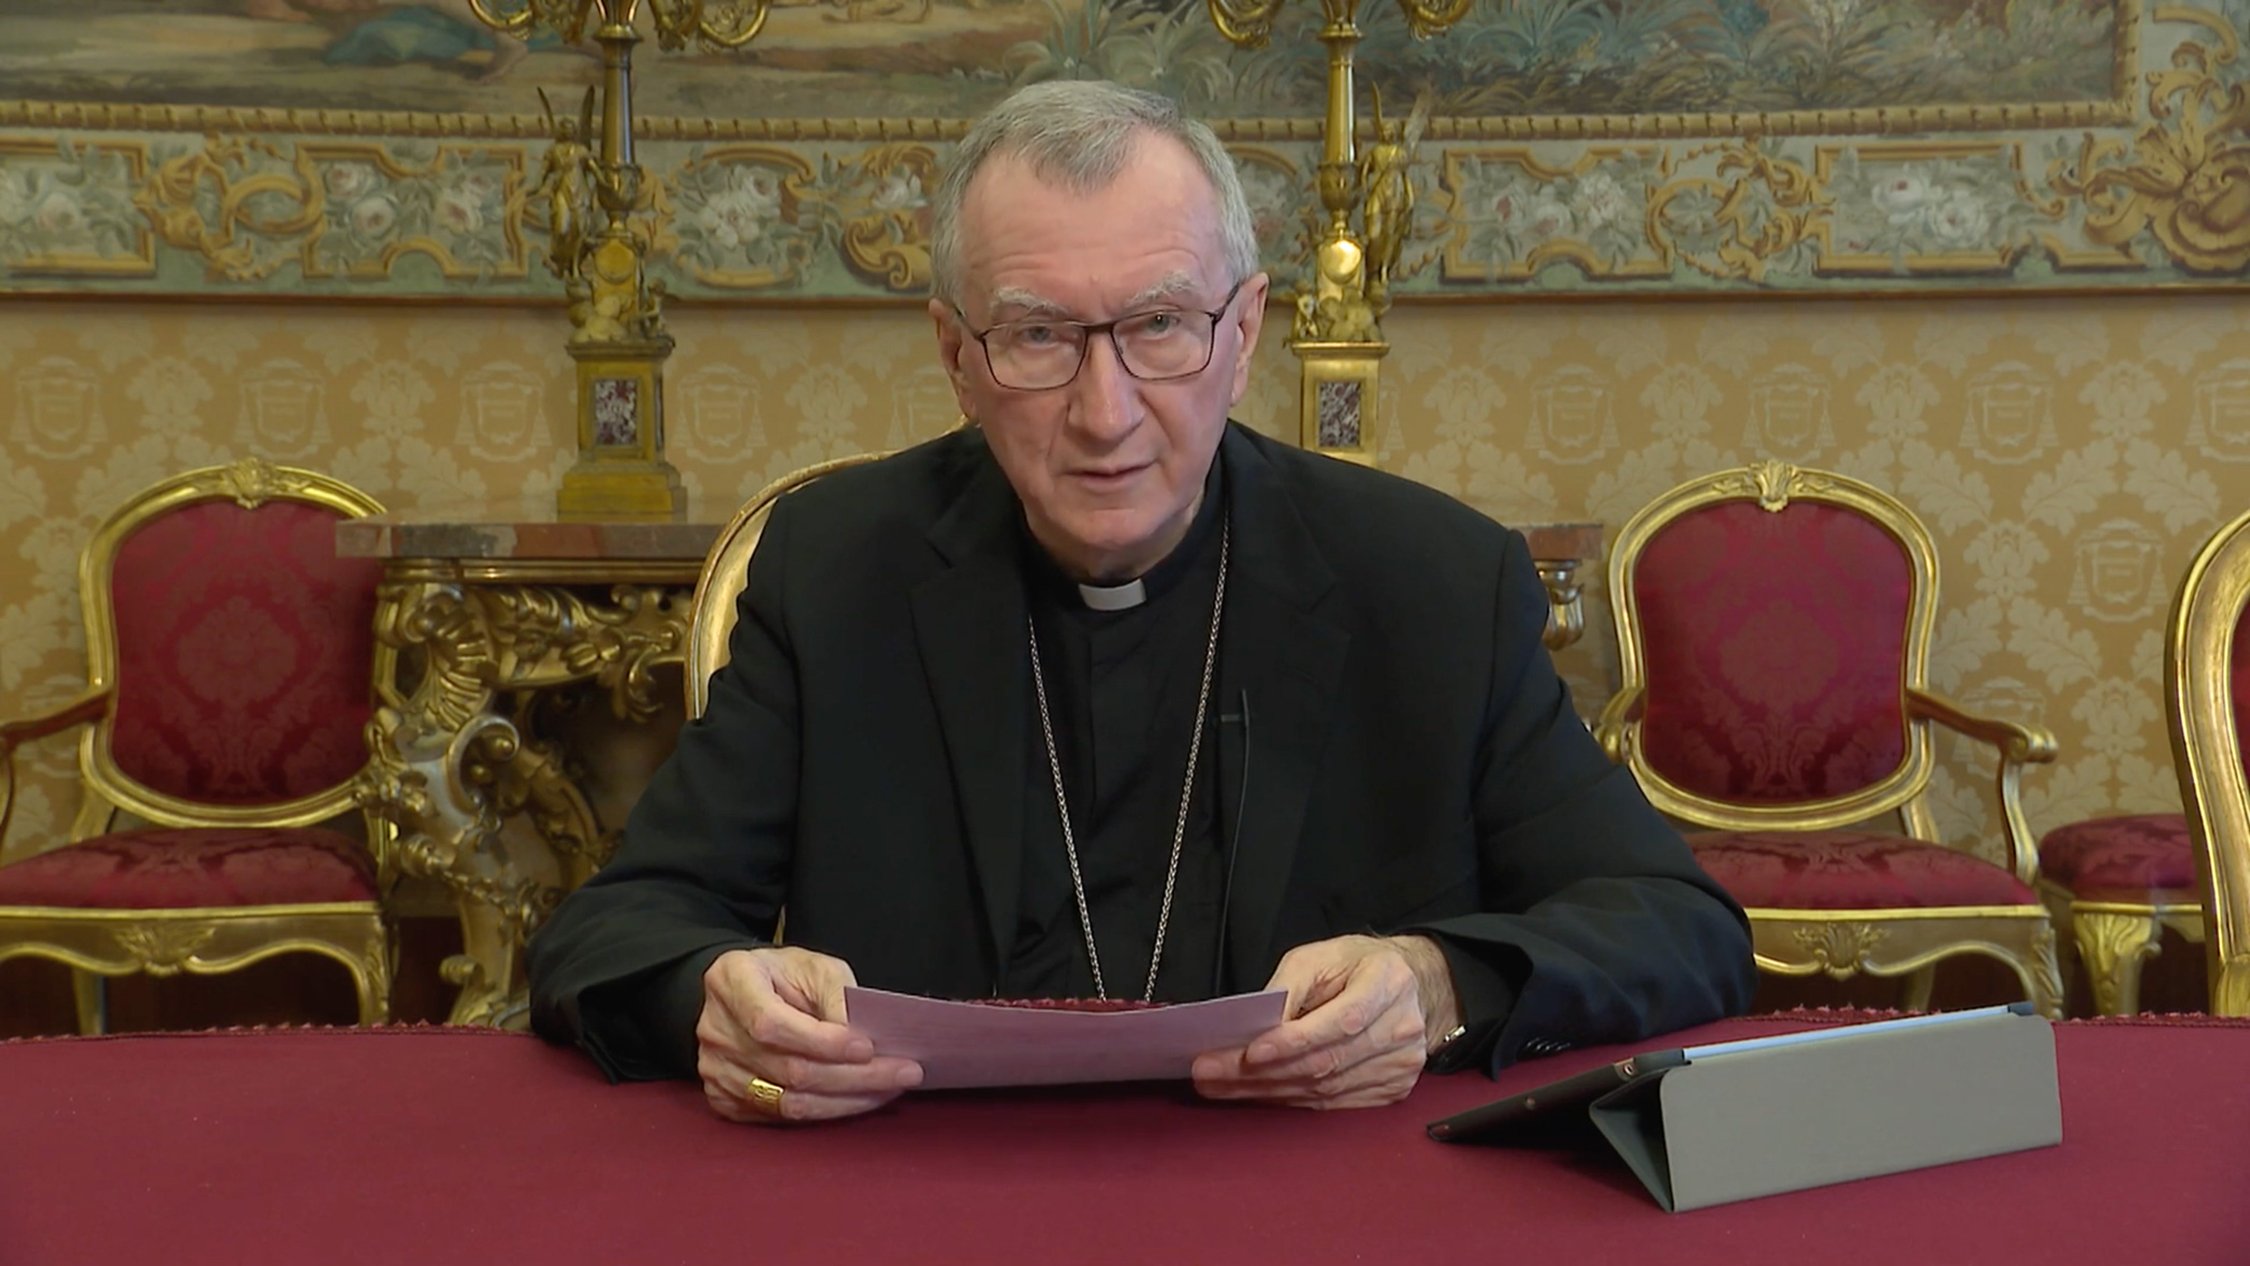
[(1122, 689)]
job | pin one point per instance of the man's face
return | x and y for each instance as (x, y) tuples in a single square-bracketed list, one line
[(1109, 467)]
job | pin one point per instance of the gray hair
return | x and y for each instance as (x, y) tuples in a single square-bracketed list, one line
[(1078, 134)]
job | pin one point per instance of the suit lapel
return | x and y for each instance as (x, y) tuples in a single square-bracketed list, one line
[(1286, 655), (969, 626)]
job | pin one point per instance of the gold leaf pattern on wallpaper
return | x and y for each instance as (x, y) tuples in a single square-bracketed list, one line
[(2068, 453)]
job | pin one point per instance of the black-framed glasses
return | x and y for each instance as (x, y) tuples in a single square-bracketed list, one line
[(1041, 354)]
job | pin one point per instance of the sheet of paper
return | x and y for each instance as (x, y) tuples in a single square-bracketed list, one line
[(962, 1044)]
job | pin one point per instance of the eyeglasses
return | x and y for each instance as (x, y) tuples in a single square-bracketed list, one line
[(1154, 346)]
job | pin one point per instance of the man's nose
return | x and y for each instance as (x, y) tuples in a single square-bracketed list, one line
[(1109, 398)]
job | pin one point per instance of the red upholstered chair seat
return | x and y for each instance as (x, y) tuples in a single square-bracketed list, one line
[(1851, 870), (166, 869), (2127, 857)]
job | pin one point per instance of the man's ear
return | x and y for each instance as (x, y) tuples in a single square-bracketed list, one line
[(952, 341), (1249, 318)]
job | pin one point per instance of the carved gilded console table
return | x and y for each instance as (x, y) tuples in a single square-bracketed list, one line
[(489, 610)]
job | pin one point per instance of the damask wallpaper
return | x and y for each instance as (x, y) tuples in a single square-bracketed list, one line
[(2068, 453)]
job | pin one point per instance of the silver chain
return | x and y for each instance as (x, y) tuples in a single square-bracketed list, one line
[(1179, 827)]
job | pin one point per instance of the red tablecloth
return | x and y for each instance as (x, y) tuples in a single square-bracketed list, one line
[(454, 1146)]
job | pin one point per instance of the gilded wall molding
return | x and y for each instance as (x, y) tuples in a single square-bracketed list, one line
[(2145, 187)]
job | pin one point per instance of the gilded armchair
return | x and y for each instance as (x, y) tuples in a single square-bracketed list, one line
[(1774, 627), (2116, 884), (725, 569), (2207, 672), (230, 662)]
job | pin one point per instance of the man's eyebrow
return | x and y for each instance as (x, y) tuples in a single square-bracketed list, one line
[(1171, 289), (1020, 303)]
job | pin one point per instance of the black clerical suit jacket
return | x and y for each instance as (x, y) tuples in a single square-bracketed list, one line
[(1411, 762)]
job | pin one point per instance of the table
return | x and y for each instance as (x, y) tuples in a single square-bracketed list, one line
[(444, 1146), (495, 605), (488, 609)]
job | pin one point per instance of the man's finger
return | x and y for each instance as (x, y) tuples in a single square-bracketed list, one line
[(882, 1076), (1381, 1078), (794, 1106), (1356, 1010), (771, 1021), (1327, 1061), (1333, 995), (814, 983), (1312, 982)]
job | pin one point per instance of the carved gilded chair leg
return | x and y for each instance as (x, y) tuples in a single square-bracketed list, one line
[(486, 970), (2112, 945), (371, 977), (1919, 984), (2043, 978), (374, 998), (91, 992)]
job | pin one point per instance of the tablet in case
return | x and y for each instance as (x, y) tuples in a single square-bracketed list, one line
[(1708, 1125)]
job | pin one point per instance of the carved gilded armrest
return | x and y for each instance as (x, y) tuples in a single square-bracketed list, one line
[(2019, 745), (1615, 724), (13, 734), (2028, 744)]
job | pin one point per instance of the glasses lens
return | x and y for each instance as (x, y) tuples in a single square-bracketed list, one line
[(1035, 355), (1038, 355), (1165, 344)]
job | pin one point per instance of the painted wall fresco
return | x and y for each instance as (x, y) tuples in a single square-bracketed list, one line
[(948, 59), (1608, 146)]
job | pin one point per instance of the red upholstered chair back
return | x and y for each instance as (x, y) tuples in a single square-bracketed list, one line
[(1771, 621), (240, 648)]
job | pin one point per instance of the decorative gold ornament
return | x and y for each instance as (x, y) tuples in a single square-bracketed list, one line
[(459, 755), (253, 482), (1766, 208), (1337, 330), (1840, 949), (163, 948), (1773, 483), (616, 313), (2187, 180), (252, 205), (248, 207)]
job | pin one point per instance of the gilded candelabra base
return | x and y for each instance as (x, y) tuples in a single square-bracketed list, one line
[(621, 468), (605, 489), (1340, 397)]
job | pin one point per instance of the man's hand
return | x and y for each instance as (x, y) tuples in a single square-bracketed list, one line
[(1356, 1026), (778, 1014)]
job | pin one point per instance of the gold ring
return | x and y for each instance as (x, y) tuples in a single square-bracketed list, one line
[(764, 1096)]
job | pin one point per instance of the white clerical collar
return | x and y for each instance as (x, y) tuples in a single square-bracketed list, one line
[(1114, 597)]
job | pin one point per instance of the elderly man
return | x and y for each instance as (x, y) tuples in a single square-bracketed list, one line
[(1104, 696)]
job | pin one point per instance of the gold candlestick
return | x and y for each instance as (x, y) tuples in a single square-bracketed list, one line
[(1337, 333), (617, 332)]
